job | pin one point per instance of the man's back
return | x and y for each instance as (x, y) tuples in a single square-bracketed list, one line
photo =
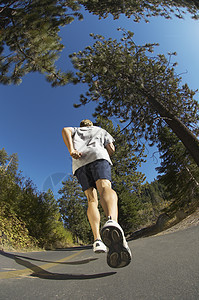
[(91, 142)]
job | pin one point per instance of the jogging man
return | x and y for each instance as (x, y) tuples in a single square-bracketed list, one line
[(91, 148)]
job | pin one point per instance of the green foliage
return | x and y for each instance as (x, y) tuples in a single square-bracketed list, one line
[(129, 207), (9, 190), (73, 210), (29, 39), (154, 192), (33, 216), (141, 9), (29, 30), (8, 163), (117, 73), (13, 232), (60, 236), (154, 197), (180, 172), (131, 84)]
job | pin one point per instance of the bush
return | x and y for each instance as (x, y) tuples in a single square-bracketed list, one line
[(13, 232)]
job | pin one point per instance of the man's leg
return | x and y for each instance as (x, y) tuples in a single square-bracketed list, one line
[(93, 212), (119, 254), (108, 198)]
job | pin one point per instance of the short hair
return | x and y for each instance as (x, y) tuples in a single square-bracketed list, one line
[(86, 123)]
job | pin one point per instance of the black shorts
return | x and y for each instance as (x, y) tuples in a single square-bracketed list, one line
[(88, 175)]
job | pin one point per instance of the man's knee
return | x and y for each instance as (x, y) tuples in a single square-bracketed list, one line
[(102, 184), (104, 187), (91, 195)]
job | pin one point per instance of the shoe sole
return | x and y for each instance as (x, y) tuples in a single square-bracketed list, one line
[(118, 256), (99, 251)]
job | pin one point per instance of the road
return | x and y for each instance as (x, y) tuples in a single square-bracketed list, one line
[(163, 267)]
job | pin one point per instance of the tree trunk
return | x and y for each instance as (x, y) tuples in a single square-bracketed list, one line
[(189, 140)]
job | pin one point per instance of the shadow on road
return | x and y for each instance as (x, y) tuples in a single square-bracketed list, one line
[(76, 248), (78, 262), (57, 276), (41, 273)]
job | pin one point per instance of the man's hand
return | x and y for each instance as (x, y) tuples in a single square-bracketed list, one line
[(110, 148), (76, 154), (67, 136)]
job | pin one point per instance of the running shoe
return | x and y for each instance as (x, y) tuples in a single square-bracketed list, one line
[(119, 255), (99, 247)]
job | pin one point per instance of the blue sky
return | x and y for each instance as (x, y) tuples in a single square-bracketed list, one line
[(33, 113)]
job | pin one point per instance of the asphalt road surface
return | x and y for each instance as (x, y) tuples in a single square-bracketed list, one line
[(163, 267)]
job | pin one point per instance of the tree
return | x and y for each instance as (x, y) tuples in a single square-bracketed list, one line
[(154, 198), (29, 39), (8, 163), (33, 214), (39, 211), (73, 209), (144, 89), (142, 9), (29, 30), (9, 190), (180, 174)]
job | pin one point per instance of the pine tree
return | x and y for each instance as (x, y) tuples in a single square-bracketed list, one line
[(142, 9), (29, 30), (9, 190), (73, 209), (22, 205), (8, 163), (29, 39), (135, 86), (155, 197), (179, 173)]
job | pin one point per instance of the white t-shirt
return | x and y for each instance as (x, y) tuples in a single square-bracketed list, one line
[(91, 142)]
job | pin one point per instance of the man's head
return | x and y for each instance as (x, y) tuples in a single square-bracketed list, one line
[(86, 123)]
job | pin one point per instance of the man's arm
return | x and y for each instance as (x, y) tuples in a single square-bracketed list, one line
[(67, 137), (110, 148)]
